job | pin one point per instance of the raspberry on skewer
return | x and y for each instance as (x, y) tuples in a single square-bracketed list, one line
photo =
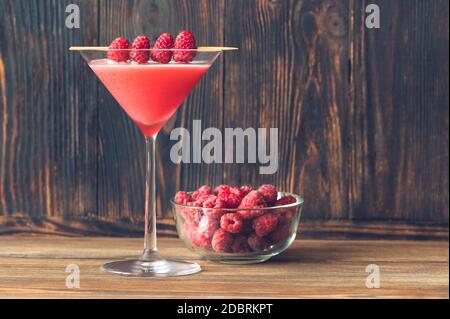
[(121, 53), (140, 54), (165, 43), (184, 40)]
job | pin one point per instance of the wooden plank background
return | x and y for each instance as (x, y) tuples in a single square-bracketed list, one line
[(362, 114)]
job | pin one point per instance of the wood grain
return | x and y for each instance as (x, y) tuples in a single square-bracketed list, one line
[(362, 114), (35, 267), (399, 76), (48, 112)]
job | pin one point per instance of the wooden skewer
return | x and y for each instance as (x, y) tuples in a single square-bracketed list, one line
[(210, 49), (199, 49)]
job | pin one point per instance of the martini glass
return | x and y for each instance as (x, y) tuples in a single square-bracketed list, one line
[(150, 93)]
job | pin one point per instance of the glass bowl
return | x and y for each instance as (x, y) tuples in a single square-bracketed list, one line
[(238, 236)]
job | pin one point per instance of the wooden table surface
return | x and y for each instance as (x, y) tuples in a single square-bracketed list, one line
[(34, 267)]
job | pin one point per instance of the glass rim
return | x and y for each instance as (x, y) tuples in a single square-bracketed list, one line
[(299, 202)]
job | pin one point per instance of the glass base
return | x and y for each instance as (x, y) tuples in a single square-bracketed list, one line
[(149, 266)]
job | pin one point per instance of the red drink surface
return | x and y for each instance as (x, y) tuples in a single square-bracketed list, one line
[(149, 93)]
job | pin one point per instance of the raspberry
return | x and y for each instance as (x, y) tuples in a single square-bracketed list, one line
[(269, 192), (207, 226), (246, 189), (165, 42), (210, 202), (280, 233), (286, 200), (201, 241), (140, 43), (201, 198), (232, 223), (220, 188), (213, 202), (232, 196), (190, 230), (205, 190), (264, 224), (286, 216), (252, 200), (191, 215), (184, 40), (257, 243), (240, 245), (221, 241), (197, 238), (220, 203), (118, 55), (182, 198)]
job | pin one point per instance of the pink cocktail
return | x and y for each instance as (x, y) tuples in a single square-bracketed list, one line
[(149, 93)]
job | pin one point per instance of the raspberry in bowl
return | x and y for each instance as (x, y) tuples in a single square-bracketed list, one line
[(237, 225)]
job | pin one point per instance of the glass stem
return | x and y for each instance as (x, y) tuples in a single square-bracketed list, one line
[(150, 199)]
